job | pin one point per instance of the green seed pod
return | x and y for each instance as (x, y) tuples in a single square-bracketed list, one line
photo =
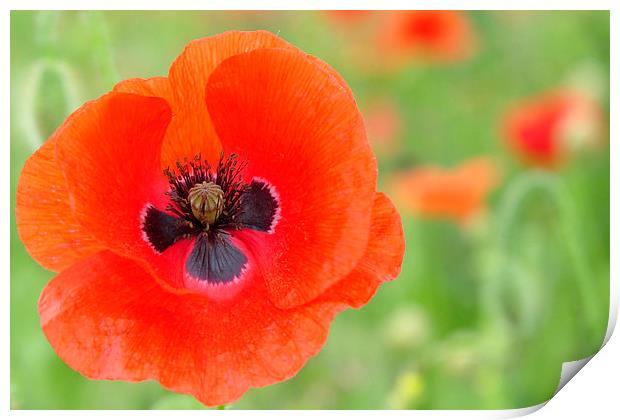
[(207, 202)]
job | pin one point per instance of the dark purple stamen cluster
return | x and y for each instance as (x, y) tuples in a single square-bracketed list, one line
[(214, 257), (190, 173)]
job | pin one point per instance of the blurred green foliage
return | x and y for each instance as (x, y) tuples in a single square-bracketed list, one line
[(479, 318)]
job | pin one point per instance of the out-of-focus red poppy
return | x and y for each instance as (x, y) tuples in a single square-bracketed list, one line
[(456, 194), (543, 130), (208, 225), (384, 125), (388, 40), (345, 16), (437, 35)]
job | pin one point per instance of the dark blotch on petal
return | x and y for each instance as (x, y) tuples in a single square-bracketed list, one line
[(215, 259), (258, 207), (162, 229)]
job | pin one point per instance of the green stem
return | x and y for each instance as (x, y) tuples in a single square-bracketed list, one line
[(515, 197)]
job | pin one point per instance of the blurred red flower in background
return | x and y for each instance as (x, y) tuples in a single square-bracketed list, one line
[(456, 194), (545, 129), (436, 35), (388, 40), (208, 225), (345, 16), (384, 125)]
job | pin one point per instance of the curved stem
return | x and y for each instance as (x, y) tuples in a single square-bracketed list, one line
[(30, 87), (508, 212)]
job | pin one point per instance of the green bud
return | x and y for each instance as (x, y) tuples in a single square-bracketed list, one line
[(207, 202)]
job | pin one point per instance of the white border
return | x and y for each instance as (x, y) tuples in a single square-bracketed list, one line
[(311, 5), (594, 392)]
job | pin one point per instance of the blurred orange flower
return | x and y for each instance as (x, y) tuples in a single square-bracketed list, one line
[(456, 194), (543, 130), (384, 125), (441, 35)]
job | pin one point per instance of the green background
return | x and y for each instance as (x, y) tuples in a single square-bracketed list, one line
[(479, 318)]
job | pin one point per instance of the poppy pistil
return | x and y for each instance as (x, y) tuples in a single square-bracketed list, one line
[(207, 202)]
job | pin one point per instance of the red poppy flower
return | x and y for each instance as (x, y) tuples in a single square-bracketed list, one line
[(453, 194), (442, 35), (208, 225), (545, 129)]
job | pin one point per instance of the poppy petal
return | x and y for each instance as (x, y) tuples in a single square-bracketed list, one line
[(110, 155), (107, 318), (45, 220), (332, 72), (191, 124), (188, 77), (154, 86), (176, 145), (306, 138), (381, 262)]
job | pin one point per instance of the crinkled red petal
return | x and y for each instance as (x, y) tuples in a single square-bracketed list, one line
[(107, 318)]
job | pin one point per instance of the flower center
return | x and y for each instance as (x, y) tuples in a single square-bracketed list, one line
[(207, 202), (207, 199), (208, 207)]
